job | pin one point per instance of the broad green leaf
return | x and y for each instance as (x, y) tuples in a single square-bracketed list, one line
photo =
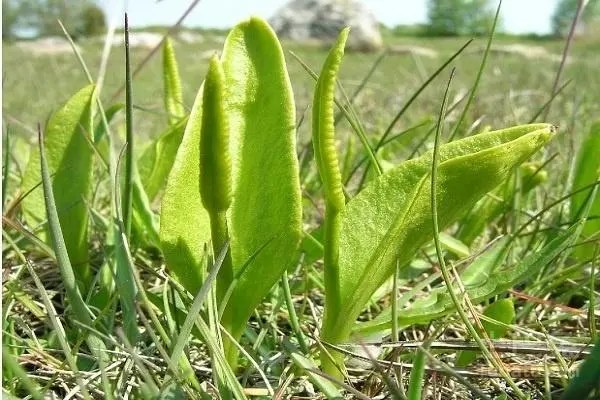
[(144, 221), (478, 283), (491, 207), (172, 84), (100, 138), (454, 245), (502, 311), (109, 114), (265, 218), (70, 159), (184, 223), (79, 309), (587, 171), (391, 218), (157, 159)]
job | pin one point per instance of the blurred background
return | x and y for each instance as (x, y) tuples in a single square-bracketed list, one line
[(84, 18), (407, 39)]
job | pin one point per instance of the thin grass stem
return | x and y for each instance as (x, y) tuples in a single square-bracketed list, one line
[(129, 158), (578, 13), (294, 322)]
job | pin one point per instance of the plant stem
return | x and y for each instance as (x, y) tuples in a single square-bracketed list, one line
[(329, 333), (128, 190)]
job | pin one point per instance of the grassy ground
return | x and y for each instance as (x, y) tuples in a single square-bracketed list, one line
[(551, 308), (513, 85)]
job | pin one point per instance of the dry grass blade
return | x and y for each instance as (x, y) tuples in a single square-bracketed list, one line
[(500, 345)]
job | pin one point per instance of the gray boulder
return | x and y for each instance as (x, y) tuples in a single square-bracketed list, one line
[(322, 20)]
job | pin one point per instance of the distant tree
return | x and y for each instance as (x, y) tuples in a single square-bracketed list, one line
[(565, 12), (93, 21), (80, 17), (10, 18), (459, 17)]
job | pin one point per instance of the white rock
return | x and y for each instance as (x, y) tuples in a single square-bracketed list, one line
[(309, 20)]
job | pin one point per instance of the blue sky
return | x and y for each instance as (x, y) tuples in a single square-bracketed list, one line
[(519, 16)]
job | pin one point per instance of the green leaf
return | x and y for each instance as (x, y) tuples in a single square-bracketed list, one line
[(172, 392), (454, 245), (157, 159), (70, 158), (145, 224), (587, 377), (264, 220), (587, 171), (491, 207), (391, 218), (172, 84), (479, 283), (79, 308), (503, 311), (265, 217), (184, 223), (309, 366)]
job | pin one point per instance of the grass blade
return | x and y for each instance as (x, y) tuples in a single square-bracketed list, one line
[(129, 160), (5, 167), (580, 6), (13, 366), (194, 311), (80, 309), (588, 377)]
